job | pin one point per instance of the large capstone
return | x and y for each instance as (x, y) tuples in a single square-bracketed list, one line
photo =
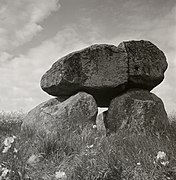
[(105, 71), (138, 111)]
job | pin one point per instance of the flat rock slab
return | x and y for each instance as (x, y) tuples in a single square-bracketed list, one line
[(138, 111), (62, 115), (105, 70)]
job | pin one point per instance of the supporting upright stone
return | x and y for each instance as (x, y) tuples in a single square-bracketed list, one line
[(60, 115), (138, 111), (100, 122)]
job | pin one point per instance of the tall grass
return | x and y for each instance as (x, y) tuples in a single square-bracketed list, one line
[(86, 154), (10, 122)]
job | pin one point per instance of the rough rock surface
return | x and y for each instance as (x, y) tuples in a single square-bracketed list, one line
[(101, 70), (100, 122), (139, 111), (147, 64), (62, 115), (105, 71)]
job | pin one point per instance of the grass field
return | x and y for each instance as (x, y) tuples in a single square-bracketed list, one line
[(85, 156)]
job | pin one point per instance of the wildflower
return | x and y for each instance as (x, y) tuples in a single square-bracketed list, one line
[(138, 163), (9, 140), (60, 175), (89, 147), (7, 143), (164, 163), (162, 158), (94, 126), (161, 155), (6, 148), (15, 150), (5, 171)]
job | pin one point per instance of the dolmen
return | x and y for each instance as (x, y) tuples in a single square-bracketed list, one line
[(117, 77)]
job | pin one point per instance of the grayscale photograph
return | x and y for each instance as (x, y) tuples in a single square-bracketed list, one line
[(87, 90)]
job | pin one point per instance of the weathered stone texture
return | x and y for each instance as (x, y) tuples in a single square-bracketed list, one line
[(98, 70), (147, 64), (139, 111), (56, 115), (100, 122), (105, 71)]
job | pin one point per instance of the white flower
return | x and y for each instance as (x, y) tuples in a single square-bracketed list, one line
[(15, 150), (161, 155), (164, 163), (91, 146), (9, 140), (4, 172), (138, 163), (7, 143), (162, 158), (60, 175), (94, 126), (6, 148)]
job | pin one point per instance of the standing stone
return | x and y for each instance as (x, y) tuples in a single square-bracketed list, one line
[(100, 122), (139, 111), (62, 115), (105, 71)]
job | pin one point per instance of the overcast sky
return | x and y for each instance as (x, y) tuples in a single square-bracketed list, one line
[(35, 33)]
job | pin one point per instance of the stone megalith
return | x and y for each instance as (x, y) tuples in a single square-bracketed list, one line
[(105, 71), (147, 64), (59, 115), (100, 122), (138, 111), (94, 70)]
